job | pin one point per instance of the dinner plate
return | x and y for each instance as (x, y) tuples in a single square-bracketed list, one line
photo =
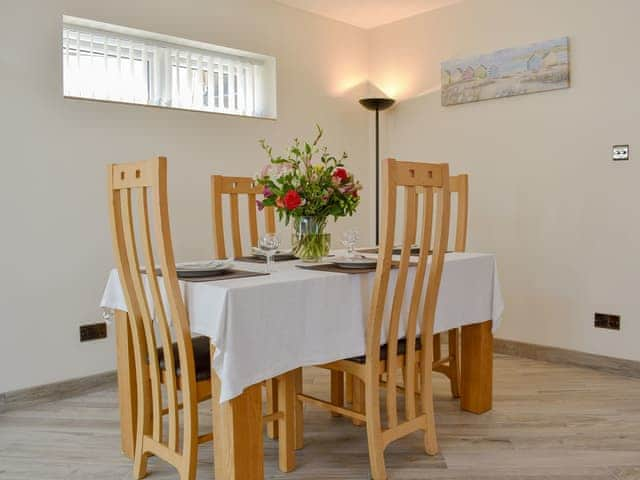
[(355, 262), (203, 268)]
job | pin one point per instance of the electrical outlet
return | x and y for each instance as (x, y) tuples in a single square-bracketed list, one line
[(606, 320), (95, 331), (620, 152)]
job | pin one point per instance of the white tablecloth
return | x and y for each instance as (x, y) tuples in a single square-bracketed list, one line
[(267, 325)]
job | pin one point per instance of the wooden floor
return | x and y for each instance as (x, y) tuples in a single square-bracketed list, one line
[(549, 422)]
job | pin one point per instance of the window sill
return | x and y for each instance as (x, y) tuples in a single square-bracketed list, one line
[(119, 102)]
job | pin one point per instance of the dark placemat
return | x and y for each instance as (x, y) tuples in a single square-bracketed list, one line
[(284, 257), (226, 275), (330, 267), (396, 251)]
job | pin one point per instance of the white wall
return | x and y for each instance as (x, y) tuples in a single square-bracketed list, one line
[(545, 195), (56, 252)]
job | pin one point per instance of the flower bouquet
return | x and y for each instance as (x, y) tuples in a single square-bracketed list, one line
[(308, 185)]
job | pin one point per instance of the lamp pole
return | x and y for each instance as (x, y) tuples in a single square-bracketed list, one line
[(377, 104)]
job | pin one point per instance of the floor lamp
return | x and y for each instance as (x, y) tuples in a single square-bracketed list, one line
[(377, 104)]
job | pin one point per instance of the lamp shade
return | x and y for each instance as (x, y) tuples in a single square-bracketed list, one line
[(378, 104)]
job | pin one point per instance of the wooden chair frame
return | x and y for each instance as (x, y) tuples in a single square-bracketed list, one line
[(234, 187), (450, 365), (143, 180), (433, 180)]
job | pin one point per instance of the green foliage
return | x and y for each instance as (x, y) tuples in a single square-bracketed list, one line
[(325, 187)]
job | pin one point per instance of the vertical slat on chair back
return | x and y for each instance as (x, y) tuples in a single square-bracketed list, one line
[(433, 182), (235, 187), (134, 222), (459, 185)]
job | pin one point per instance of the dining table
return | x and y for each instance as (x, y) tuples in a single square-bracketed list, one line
[(268, 326)]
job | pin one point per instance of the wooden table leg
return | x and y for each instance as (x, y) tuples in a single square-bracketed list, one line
[(358, 400), (348, 392), (272, 407), (299, 412), (237, 425), (337, 390), (126, 383), (286, 426), (476, 390)]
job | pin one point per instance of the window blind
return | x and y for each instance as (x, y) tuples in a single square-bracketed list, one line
[(105, 65)]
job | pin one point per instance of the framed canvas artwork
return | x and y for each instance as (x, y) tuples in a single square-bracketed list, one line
[(537, 67)]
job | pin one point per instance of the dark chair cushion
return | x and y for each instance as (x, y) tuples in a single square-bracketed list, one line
[(201, 356), (402, 348)]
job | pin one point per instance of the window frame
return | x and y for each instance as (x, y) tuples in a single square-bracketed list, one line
[(180, 51)]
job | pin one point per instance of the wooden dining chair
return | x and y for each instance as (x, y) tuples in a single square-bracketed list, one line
[(406, 353), (167, 359), (165, 354), (235, 187), (450, 365)]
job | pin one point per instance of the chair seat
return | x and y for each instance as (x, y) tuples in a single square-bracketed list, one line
[(402, 348), (201, 357)]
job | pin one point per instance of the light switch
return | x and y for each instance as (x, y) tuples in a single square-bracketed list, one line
[(620, 152)]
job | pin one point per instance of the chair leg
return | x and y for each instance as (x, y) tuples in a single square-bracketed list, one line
[(358, 399), (143, 427), (454, 362), (286, 438), (374, 429), (190, 467), (437, 347), (140, 461), (426, 399), (272, 407), (337, 390), (299, 410)]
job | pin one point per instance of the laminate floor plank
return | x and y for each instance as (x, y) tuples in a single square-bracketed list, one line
[(549, 422)]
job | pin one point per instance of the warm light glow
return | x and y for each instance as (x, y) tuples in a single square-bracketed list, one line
[(398, 86), (393, 85), (347, 83), (390, 89)]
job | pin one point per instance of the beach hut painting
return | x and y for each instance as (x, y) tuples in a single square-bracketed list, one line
[(538, 67)]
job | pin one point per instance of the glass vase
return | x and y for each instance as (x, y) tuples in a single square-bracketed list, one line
[(309, 241)]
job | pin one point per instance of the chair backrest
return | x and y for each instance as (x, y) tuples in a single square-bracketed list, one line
[(235, 186), (433, 182), (459, 184), (139, 216)]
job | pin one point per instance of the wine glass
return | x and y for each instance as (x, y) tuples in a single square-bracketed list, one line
[(349, 240), (269, 243)]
